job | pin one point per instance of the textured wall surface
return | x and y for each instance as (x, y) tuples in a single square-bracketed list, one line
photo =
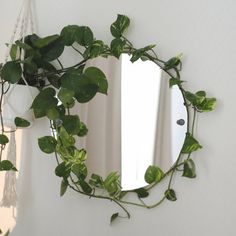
[(205, 32)]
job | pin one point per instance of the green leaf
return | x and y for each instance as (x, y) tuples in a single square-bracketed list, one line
[(53, 113), (83, 130), (52, 51), (142, 192), (44, 101), (71, 79), (3, 139), (63, 170), (153, 174), (140, 53), (144, 58), (85, 186), (112, 184), (97, 77), (119, 26), (113, 217), (189, 169), (84, 36), (39, 112), (173, 62), (96, 49), (20, 122), (31, 40), (13, 52), (85, 88), (54, 80), (80, 170), (71, 123), (190, 144), (117, 47), (197, 98), (69, 34), (207, 105), (96, 181), (66, 96), (30, 67), (64, 186), (201, 93), (45, 65), (6, 166), (170, 195), (12, 72), (61, 109), (43, 42), (22, 45), (65, 139), (86, 92), (175, 81), (81, 155), (200, 101), (136, 55), (47, 144)]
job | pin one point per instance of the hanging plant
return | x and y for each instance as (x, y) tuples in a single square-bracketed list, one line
[(60, 88)]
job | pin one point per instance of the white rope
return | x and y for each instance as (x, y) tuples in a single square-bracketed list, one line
[(32, 25), (23, 21), (9, 193), (13, 35)]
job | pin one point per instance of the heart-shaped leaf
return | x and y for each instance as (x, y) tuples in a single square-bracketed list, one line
[(119, 26), (189, 169), (47, 144), (12, 72), (3, 139), (20, 122), (113, 217), (153, 174), (170, 195), (6, 166)]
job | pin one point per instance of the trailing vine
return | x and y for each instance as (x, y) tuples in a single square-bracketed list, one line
[(60, 88)]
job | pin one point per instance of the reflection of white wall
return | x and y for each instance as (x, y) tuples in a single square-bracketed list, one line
[(140, 84), (178, 111)]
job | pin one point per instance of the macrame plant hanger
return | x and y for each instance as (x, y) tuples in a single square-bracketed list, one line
[(24, 25)]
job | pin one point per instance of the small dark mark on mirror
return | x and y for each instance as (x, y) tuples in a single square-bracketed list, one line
[(180, 122)]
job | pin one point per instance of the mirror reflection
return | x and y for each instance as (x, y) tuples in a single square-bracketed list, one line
[(140, 122), (153, 123)]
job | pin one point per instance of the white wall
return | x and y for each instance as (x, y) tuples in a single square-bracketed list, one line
[(205, 32)]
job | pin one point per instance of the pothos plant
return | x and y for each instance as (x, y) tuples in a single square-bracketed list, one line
[(60, 88)]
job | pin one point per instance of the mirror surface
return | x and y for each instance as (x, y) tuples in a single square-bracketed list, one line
[(153, 121), (136, 124)]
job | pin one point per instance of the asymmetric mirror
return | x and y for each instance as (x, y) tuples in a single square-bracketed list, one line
[(153, 121)]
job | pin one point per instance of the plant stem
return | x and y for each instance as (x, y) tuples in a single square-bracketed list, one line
[(1, 118), (102, 197), (158, 203), (77, 50), (194, 119), (60, 63), (45, 74)]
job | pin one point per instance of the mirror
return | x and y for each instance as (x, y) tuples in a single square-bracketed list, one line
[(142, 121)]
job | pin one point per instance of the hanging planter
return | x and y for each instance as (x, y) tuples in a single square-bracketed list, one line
[(16, 99), (17, 102)]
